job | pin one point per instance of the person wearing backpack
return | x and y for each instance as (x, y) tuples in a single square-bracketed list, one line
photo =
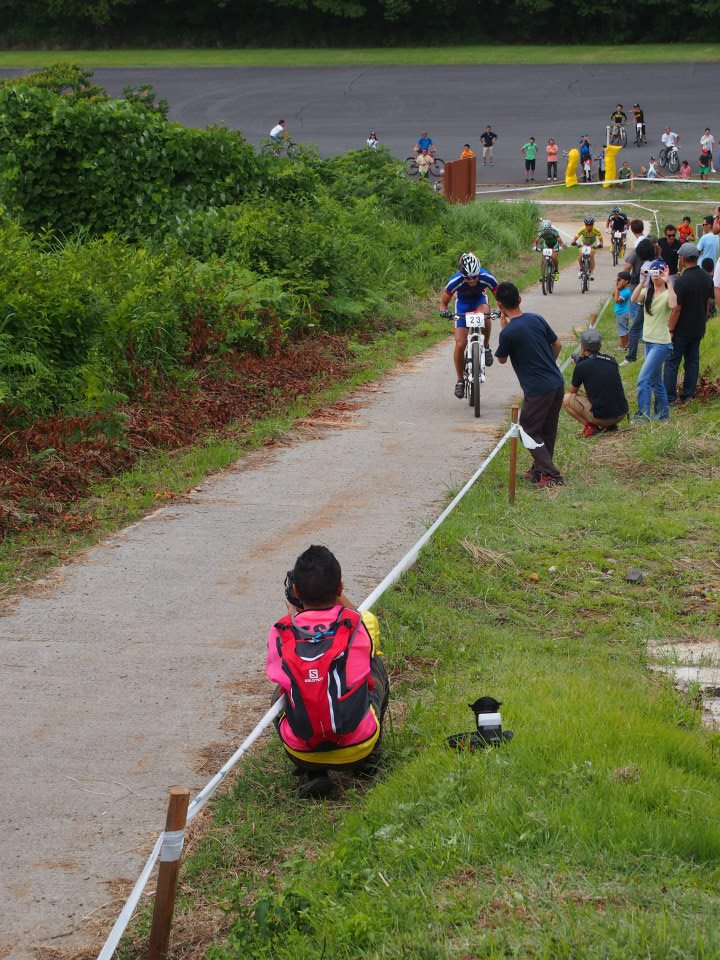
[(325, 657)]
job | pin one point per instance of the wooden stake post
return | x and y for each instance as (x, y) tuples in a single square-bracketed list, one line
[(513, 457), (168, 874)]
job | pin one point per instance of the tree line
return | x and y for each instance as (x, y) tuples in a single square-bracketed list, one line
[(351, 22)]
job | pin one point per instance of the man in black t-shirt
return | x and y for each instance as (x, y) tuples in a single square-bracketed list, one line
[(693, 289), (488, 139), (604, 403), (669, 246)]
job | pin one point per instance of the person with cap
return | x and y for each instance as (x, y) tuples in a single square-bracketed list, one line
[(709, 243), (623, 314), (688, 319), (604, 404), (640, 257), (658, 300), (533, 348)]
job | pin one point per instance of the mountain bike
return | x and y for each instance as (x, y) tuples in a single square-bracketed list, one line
[(435, 171), (639, 135), (618, 135), (585, 251), (669, 157), (547, 271), (618, 246), (474, 371), (275, 148)]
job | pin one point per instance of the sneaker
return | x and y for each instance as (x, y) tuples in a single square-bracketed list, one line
[(547, 481), (580, 273), (557, 275), (589, 430), (640, 418), (592, 277), (549, 178), (492, 164), (626, 362), (488, 357), (317, 784), (460, 389), (529, 475)]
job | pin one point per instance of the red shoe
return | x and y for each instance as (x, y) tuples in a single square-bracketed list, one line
[(547, 481), (528, 475), (589, 430)]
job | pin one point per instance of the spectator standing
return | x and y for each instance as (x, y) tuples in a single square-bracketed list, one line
[(637, 229), (372, 141), (642, 255), (585, 145), (623, 314), (467, 152), (707, 266), (530, 152), (707, 142), (704, 161), (552, 159), (716, 221), (533, 348), (488, 138), (604, 404), (658, 301), (716, 283), (709, 242), (669, 246), (693, 288), (601, 164)]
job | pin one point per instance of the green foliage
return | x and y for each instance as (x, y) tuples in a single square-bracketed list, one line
[(159, 248)]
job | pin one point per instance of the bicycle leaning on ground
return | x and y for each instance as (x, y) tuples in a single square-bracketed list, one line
[(275, 148)]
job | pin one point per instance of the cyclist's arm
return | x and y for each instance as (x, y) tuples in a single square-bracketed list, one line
[(556, 347), (445, 299)]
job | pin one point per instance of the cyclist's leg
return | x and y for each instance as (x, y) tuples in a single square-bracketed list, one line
[(592, 260), (461, 336), (555, 259)]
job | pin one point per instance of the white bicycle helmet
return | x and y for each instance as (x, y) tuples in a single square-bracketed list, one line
[(545, 225), (469, 265)]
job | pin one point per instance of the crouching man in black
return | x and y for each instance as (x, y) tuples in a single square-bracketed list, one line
[(604, 404), (325, 657)]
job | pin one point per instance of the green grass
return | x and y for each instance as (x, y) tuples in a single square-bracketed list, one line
[(595, 834), (400, 56)]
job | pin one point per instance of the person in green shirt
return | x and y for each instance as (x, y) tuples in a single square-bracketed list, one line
[(549, 237), (530, 152)]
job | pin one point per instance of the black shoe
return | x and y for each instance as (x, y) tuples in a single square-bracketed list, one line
[(460, 389), (488, 357), (317, 784)]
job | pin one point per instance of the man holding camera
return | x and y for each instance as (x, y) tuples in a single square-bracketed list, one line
[(325, 657), (604, 404)]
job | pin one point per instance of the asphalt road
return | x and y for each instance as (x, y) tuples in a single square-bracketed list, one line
[(336, 107)]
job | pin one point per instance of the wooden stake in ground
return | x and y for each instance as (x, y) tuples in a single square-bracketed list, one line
[(168, 873), (513, 456)]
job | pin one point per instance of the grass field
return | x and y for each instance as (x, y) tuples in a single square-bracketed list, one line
[(595, 834), (400, 56)]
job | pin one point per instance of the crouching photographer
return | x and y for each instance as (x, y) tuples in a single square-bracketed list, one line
[(604, 404), (325, 657)]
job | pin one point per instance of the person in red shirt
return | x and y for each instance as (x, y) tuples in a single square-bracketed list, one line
[(324, 656), (685, 230)]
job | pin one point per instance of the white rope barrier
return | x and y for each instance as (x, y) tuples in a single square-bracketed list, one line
[(663, 181), (211, 786)]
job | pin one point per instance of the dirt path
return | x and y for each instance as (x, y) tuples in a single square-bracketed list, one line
[(138, 667)]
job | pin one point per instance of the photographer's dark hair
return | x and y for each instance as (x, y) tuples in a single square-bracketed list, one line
[(317, 576), (508, 295)]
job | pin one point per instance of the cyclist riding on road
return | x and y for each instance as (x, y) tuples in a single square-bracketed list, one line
[(469, 286), (670, 138), (588, 235), (639, 116), (618, 221), (550, 238)]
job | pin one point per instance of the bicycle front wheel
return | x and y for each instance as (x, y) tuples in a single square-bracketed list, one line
[(550, 281), (673, 162), (615, 252), (622, 139), (663, 157), (411, 167), (543, 278), (293, 150), (476, 378)]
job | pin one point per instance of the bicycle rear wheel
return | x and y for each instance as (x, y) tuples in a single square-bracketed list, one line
[(269, 149), (673, 162), (476, 378), (663, 157), (438, 168)]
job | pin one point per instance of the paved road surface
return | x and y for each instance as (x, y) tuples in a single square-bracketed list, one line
[(336, 107), (121, 670)]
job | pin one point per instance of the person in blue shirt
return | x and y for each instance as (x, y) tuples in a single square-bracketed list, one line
[(469, 286), (424, 143)]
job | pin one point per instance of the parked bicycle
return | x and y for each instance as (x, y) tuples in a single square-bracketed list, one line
[(670, 157), (435, 170), (275, 148), (474, 370)]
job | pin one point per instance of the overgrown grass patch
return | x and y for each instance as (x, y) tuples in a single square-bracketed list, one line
[(596, 832)]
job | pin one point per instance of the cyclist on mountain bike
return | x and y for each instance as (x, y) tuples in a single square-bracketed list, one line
[(670, 138), (618, 221), (469, 286), (639, 116), (588, 235), (550, 238)]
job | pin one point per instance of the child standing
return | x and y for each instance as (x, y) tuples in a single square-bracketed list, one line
[(686, 231), (621, 296)]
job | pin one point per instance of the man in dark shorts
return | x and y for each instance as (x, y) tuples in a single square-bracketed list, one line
[(530, 150), (533, 347), (604, 404), (687, 323)]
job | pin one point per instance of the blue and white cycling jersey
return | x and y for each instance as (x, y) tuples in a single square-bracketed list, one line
[(470, 296)]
